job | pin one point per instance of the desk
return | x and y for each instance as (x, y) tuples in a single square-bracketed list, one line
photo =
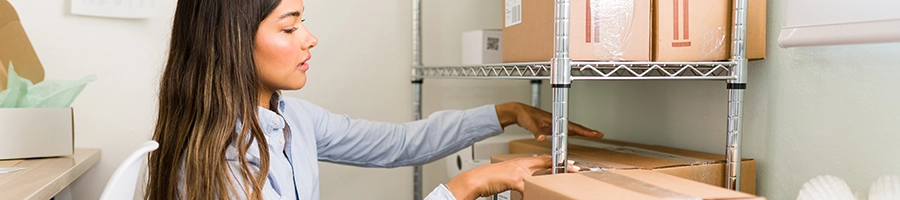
[(45, 177)]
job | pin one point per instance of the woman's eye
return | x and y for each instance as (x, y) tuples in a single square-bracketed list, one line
[(290, 30)]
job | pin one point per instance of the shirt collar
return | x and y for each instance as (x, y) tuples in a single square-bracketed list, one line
[(269, 120)]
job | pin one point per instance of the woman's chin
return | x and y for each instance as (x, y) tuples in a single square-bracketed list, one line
[(297, 86)]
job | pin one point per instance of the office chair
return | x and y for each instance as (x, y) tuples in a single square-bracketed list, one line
[(125, 179)]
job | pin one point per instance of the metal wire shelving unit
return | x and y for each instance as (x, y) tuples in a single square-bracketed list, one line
[(561, 71), (585, 71)]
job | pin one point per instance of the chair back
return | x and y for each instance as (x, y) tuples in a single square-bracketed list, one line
[(125, 179)]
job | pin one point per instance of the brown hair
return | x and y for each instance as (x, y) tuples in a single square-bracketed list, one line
[(210, 84)]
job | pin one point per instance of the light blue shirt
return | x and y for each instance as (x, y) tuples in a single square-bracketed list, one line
[(318, 135)]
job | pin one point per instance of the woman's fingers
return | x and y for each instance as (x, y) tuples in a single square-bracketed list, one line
[(581, 130)]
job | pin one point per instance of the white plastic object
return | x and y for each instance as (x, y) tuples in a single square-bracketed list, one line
[(124, 180), (825, 187), (885, 188)]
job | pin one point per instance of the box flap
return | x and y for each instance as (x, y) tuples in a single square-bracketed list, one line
[(642, 156), (16, 48), (676, 151)]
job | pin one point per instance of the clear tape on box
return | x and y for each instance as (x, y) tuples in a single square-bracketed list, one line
[(714, 43), (611, 26)]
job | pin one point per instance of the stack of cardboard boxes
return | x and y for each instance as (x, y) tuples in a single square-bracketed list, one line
[(632, 30), (596, 155)]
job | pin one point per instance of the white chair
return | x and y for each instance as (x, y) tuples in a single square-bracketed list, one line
[(125, 179)]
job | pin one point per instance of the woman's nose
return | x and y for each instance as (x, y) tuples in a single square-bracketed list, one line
[(312, 41)]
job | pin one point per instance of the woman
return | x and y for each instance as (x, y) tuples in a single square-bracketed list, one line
[(226, 132)]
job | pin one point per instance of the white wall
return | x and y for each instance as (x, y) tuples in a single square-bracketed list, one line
[(808, 111)]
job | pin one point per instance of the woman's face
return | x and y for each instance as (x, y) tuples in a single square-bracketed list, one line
[(282, 48)]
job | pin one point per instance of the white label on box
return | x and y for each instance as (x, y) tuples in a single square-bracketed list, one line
[(513, 12)]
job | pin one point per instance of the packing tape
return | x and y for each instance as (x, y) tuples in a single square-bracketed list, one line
[(609, 26), (638, 186)]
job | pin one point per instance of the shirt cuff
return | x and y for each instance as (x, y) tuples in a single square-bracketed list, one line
[(440, 192)]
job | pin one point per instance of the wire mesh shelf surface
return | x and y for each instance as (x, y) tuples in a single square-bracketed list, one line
[(586, 71)]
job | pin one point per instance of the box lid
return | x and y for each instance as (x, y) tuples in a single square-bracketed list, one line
[(16, 48)]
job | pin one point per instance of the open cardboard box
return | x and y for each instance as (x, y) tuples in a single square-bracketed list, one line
[(693, 165), (28, 132)]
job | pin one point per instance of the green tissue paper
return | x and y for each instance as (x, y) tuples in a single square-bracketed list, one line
[(21, 93)]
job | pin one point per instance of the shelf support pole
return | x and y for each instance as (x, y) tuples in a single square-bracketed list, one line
[(560, 81), (736, 88), (417, 84), (536, 93)]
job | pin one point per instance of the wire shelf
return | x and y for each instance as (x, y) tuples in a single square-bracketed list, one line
[(586, 71)]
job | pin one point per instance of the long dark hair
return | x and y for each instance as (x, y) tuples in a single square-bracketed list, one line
[(210, 84)]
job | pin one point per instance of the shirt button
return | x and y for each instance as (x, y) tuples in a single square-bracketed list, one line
[(281, 141), (276, 121)]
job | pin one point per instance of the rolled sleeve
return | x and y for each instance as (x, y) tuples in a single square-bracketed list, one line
[(440, 192)]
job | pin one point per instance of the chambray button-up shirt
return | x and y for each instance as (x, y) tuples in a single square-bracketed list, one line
[(314, 134)]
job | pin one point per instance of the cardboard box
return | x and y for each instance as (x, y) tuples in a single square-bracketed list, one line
[(756, 29), (693, 165), (701, 30), (600, 30), (623, 184), (481, 47), (28, 132), (16, 47), (36, 132)]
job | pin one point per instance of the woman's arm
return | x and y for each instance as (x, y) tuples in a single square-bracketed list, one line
[(341, 139), (493, 178), (360, 142)]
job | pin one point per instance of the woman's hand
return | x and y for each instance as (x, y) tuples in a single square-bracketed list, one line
[(538, 121), (494, 178)]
